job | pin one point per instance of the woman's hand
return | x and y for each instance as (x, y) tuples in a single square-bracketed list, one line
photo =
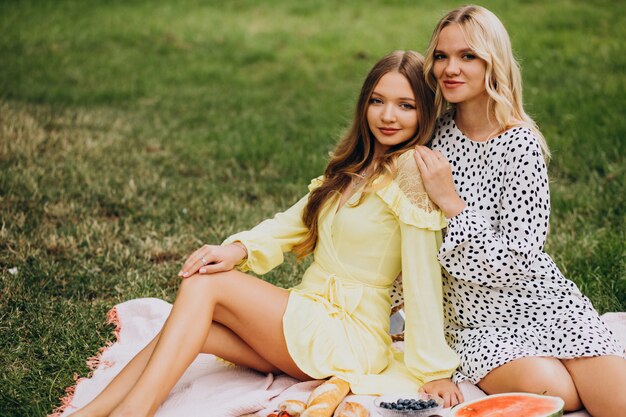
[(437, 176), (445, 389), (210, 259)]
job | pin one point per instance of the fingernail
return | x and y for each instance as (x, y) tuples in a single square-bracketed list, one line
[(185, 274), (202, 270)]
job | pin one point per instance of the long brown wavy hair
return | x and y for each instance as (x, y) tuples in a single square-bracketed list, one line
[(355, 151)]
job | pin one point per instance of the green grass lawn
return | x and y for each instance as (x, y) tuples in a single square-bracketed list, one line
[(132, 131)]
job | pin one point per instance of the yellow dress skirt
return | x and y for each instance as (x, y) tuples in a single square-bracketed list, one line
[(337, 319)]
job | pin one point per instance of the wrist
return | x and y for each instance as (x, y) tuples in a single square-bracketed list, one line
[(242, 248), (453, 207)]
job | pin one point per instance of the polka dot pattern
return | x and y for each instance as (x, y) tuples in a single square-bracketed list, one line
[(397, 295), (504, 296)]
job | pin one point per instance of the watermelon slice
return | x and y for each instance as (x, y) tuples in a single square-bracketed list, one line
[(514, 404)]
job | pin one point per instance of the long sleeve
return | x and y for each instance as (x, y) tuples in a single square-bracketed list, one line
[(267, 241), (497, 251), (426, 353), (504, 297)]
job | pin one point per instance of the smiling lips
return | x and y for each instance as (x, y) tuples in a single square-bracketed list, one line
[(452, 83), (388, 131)]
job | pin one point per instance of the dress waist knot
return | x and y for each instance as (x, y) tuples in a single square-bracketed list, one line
[(343, 294)]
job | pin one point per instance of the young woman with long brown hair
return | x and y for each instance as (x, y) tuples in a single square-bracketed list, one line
[(366, 220)]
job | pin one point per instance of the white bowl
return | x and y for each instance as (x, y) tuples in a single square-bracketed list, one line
[(426, 412)]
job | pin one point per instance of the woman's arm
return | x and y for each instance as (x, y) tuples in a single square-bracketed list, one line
[(436, 173), (259, 249), (476, 251), (266, 242), (210, 259), (426, 353)]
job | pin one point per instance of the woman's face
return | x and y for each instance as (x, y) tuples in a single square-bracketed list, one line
[(391, 113), (459, 72)]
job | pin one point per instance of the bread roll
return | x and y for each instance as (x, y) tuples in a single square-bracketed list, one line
[(293, 407), (353, 409), (324, 399)]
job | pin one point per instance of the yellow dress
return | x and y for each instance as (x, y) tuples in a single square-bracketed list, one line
[(337, 318)]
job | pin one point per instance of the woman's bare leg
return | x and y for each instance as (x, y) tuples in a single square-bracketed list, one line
[(601, 384), (220, 341), (538, 375), (117, 389), (251, 308)]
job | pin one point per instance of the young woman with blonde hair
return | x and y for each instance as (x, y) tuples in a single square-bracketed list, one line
[(365, 220), (516, 322)]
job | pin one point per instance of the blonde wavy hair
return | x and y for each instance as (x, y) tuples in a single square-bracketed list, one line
[(489, 40)]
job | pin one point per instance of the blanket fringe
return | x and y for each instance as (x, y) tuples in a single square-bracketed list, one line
[(93, 363), (113, 318)]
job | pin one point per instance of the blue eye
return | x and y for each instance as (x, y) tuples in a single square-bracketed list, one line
[(374, 100), (439, 56), (407, 106)]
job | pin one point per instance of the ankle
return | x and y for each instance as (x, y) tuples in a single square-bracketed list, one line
[(132, 410), (86, 412)]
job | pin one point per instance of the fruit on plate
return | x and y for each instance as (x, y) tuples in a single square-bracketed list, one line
[(409, 404), (515, 404)]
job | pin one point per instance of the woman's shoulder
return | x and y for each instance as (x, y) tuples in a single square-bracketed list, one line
[(446, 118), (445, 123), (406, 161), (407, 175), (520, 140), (316, 182), (520, 132), (406, 195)]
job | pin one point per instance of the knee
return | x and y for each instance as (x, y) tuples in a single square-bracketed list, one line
[(601, 382), (202, 285), (551, 379), (537, 375)]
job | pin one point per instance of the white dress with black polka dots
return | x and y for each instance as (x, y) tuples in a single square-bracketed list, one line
[(504, 297)]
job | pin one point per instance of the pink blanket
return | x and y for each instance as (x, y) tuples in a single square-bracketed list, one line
[(210, 387)]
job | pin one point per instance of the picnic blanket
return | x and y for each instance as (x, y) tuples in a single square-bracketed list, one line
[(211, 387)]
